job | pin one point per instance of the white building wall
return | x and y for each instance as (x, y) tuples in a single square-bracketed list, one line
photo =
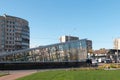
[(117, 43), (63, 39)]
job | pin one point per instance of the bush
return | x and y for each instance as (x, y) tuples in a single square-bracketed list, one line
[(109, 66), (80, 69)]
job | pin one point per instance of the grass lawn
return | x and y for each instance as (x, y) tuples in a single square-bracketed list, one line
[(75, 75)]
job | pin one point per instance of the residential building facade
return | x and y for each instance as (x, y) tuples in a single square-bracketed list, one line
[(68, 38), (14, 33), (89, 45)]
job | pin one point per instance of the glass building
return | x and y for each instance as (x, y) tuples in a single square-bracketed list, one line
[(71, 51)]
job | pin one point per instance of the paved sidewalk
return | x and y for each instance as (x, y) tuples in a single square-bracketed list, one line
[(17, 74)]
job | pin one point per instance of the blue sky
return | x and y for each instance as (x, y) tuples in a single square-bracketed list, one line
[(97, 20)]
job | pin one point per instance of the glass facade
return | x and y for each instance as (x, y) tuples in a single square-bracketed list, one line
[(61, 52)]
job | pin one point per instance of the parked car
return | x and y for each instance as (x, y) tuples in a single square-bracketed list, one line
[(94, 62), (107, 61)]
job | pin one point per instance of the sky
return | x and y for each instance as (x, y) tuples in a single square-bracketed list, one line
[(96, 20)]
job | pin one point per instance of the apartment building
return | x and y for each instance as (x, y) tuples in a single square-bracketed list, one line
[(68, 38), (89, 45), (14, 33)]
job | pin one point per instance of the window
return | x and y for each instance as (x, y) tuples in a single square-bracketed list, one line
[(10, 38), (6, 42), (10, 30), (9, 42)]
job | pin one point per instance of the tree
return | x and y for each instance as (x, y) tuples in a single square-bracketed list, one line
[(91, 51)]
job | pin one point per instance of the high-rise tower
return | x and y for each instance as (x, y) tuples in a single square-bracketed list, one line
[(14, 33)]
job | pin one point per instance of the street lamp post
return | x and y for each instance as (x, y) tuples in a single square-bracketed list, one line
[(117, 51)]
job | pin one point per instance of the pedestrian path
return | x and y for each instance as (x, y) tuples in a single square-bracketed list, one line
[(13, 75)]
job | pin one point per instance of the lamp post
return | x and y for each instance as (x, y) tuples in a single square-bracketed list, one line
[(117, 51)]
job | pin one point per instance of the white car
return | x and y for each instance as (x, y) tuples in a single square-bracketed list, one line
[(94, 62)]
